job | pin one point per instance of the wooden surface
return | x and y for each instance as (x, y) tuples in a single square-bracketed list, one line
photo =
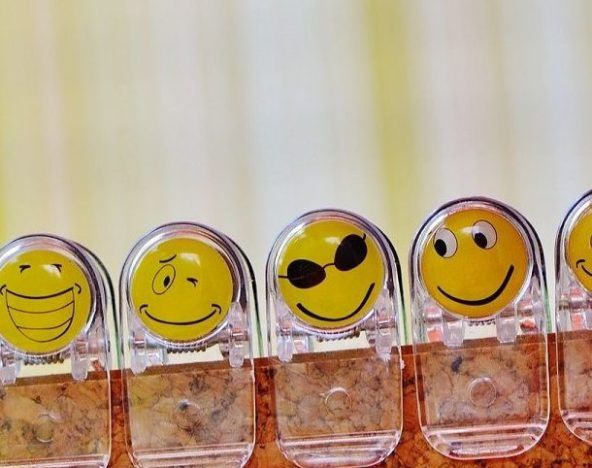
[(558, 447)]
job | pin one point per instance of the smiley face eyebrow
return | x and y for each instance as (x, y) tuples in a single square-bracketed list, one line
[(24, 267), (167, 260)]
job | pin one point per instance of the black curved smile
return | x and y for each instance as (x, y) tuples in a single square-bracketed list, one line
[(485, 300), (216, 309), (580, 263), (339, 319)]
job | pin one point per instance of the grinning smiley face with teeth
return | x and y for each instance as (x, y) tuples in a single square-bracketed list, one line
[(45, 301)]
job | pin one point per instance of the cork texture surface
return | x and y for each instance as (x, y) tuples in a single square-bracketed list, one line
[(320, 397), (557, 447), (206, 408), (50, 418), (484, 385)]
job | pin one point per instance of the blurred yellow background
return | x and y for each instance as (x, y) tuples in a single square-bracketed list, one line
[(117, 116)]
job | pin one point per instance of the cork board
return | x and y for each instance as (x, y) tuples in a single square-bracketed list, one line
[(52, 417), (557, 447), (175, 409)]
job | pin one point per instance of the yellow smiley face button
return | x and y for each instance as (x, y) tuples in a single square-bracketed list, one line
[(475, 263), (330, 273), (579, 249), (181, 289), (45, 301)]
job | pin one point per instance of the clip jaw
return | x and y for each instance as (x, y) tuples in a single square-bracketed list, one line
[(525, 316), (86, 348), (380, 327), (147, 351)]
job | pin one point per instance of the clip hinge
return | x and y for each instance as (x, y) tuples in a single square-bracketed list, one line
[(144, 353), (575, 309), (443, 327), (9, 365), (382, 330), (284, 330), (237, 336)]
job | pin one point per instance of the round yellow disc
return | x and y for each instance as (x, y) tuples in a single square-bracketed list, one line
[(579, 249), (475, 263), (330, 274), (45, 301), (181, 289)]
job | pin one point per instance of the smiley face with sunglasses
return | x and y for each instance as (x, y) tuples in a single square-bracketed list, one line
[(330, 273)]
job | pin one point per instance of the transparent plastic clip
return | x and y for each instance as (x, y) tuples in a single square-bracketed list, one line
[(187, 312), (573, 304), (334, 301), (54, 354), (480, 320)]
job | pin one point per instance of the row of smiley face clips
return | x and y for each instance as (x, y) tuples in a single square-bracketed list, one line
[(330, 275), (490, 250)]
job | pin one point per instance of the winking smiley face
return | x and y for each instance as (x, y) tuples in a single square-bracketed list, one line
[(181, 289)]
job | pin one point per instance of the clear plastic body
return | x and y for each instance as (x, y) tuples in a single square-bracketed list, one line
[(480, 320), (574, 318), (187, 307), (55, 404), (334, 299)]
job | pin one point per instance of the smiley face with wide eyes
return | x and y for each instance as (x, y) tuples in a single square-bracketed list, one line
[(579, 249), (330, 274), (45, 300), (475, 263), (181, 289)]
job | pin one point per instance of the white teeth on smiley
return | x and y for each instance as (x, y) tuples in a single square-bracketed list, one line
[(41, 318)]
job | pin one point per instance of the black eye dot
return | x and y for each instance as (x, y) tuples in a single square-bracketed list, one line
[(167, 280), (440, 247), (480, 240)]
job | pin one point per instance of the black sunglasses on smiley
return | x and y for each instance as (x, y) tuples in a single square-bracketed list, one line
[(350, 253)]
